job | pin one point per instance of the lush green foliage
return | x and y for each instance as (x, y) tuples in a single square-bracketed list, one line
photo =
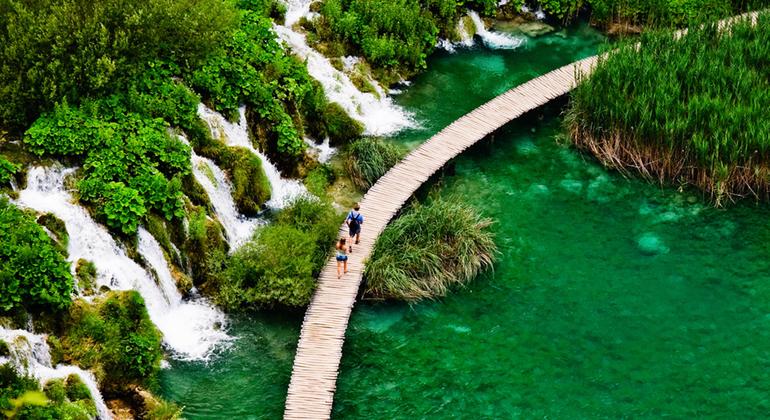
[(368, 159), (340, 128), (429, 249), (7, 171), (132, 165), (73, 49), (695, 108), (114, 337), (651, 12), (63, 399), (254, 69), (279, 266), (33, 271)]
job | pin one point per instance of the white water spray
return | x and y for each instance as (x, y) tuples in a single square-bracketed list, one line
[(190, 329), (379, 115), (282, 190), (238, 227), (30, 355), (323, 152), (494, 40)]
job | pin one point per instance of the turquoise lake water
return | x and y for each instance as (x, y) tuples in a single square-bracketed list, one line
[(611, 298)]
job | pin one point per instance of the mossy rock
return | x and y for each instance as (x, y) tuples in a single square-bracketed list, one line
[(251, 189), (57, 227), (340, 127), (4, 349), (85, 271)]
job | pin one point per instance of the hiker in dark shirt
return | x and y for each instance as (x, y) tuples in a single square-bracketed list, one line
[(354, 222)]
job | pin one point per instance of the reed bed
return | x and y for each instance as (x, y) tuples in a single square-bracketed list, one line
[(428, 250), (693, 110), (368, 159)]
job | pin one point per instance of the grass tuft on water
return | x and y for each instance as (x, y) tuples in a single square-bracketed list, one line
[(429, 249), (692, 110), (369, 159)]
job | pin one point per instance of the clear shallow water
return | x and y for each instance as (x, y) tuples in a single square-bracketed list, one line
[(612, 297)]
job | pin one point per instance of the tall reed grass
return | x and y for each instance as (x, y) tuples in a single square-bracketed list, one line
[(695, 109), (428, 250), (368, 159)]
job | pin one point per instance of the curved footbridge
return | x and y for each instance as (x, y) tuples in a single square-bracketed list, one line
[(314, 375)]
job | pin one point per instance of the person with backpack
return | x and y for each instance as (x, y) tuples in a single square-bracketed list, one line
[(354, 221)]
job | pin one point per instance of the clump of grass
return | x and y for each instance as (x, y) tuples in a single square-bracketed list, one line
[(368, 159), (692, 110), (428, 250)]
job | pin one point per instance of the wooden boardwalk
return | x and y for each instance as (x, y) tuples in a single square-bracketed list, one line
[(319, 351), (314, 376)]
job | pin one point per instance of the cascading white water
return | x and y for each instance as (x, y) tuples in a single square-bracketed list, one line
[(238, 227), (379, 115), (190, 329), (494, 40), (282, 190), (30, 355), (323, 152)]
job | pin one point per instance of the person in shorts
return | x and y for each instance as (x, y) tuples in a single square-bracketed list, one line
[(342, 257), (354, 222)]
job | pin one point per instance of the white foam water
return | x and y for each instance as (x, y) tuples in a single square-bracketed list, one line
[(191, 329), (238, 228), (323, 152), (494, 40), (30, 355), (282, 190), (378, 114)]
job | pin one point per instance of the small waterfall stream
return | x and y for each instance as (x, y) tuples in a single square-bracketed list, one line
[(191, 329), (494, 40), (283, 190), (30, 354), (379, 115), (238, 228)]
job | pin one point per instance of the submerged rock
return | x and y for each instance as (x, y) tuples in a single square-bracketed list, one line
[(571, 185), (651, 244)]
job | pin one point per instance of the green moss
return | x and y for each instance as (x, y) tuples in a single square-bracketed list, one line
[(340, 128), (114, 337), (55, 391), (251, 188), (319, 179), (85, 271), (57, 228), (207, 243), (76, 389)]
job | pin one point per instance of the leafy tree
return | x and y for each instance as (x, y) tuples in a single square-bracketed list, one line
[(73, 49)]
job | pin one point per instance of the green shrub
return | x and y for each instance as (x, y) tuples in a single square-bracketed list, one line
[(76, 389), (428, 250), (318, 179), (33, 271), (4, 349), (368, 159), (73, 49), (20, 398), (7, 170), (115, 338), (251, 187), (279, 266), (693, 109), (340, 128), (132, 164)]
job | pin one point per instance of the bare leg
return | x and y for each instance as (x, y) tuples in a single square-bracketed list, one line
[(345, 263), (338, 269), (358, 237), (350, 247)]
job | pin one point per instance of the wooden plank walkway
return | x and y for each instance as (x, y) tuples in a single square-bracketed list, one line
[(319, 351)]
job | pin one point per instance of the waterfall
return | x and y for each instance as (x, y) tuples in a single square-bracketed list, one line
[(30, 355), (190, 329), (494, 40), (238, 227), (323, 152), (379, 115), (282, 190)]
